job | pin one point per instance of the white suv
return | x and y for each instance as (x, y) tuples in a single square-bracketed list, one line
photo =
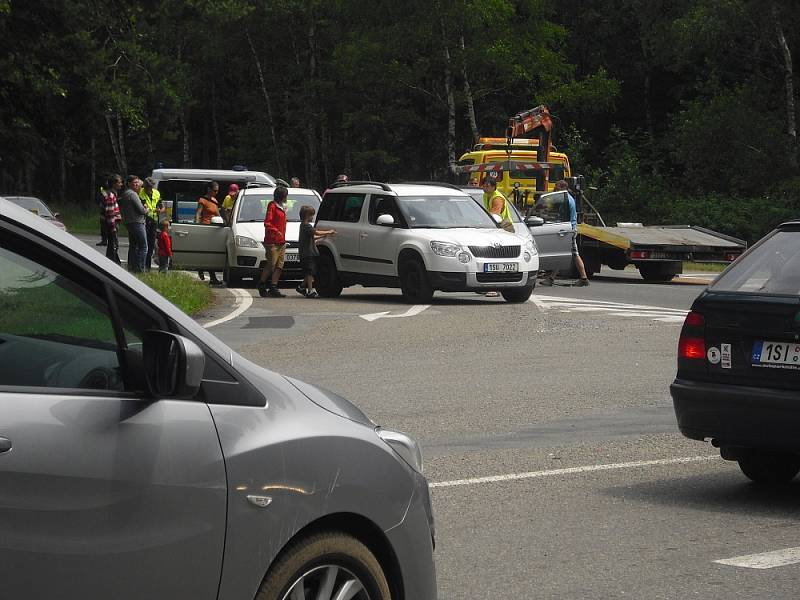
[(420, 238)]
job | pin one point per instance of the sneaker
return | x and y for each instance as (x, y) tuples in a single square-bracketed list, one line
[(312, 294), (301, 290), (262, 290), (274, 292), (101, 244), (582, 283)]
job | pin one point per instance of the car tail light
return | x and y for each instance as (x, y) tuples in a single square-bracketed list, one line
[(692, 342), (640, 254), (692, 347)]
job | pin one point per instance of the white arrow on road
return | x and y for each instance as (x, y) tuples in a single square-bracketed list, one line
[(414, 310)]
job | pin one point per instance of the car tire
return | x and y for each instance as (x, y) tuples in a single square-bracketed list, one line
[(327, 559), (414, 282), (231, 280), (655, 272), (518, 294), (769, 468), (328, 284)]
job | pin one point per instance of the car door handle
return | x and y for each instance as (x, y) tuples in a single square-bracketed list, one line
[(5, 444), (181, 233), (363, 235), (562, 233)]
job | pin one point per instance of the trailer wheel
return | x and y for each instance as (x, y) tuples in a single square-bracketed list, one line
[(656, 272)]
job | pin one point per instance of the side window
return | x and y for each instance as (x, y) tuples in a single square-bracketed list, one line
[(553, 207), (341, 207), (351, 211), (556, 173), (56, 331), (180, 198), (383, 205)]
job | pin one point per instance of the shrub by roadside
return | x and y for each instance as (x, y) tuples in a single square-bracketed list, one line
[(183, 290)]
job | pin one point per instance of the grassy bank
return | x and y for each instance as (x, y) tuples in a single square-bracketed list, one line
[(183, 290)]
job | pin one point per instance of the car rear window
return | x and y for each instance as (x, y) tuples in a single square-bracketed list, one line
[(771, 267)]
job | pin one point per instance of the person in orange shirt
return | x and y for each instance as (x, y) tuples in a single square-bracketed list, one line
[(207, 209)]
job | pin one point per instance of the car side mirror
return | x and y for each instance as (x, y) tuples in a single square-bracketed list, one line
[(173, 365), (385, 220), (217, 220), (497, 218), (534, 221)]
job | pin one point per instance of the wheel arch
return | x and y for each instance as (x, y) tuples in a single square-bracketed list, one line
[(365, 531), (410, 253)]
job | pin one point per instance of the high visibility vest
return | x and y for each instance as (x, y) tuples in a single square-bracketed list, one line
[(505, 214), (151, 204)]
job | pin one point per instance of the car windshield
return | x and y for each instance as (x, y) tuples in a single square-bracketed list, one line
[(254, 206), (477, 195), (771, 267), (444, 212), (32, 204)]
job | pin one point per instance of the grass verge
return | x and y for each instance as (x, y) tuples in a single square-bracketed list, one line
[(704, 267), (183, 290)]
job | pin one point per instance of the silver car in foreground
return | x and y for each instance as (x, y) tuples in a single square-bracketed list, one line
[(140, 457)]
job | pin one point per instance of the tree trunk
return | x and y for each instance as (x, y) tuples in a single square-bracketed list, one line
[(62, 171), (114, 147), (186, 163), (121, 145), (215, 125), (473, 123), (264, 91), (311, 102), (451, 104), (92, 167), (788, 81)]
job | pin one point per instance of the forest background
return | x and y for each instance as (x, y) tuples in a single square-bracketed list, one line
[(677, 111)]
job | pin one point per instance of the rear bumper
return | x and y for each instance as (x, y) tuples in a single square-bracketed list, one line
[(737, 415)]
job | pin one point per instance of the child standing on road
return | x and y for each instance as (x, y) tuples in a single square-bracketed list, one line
[(164, 248), (308, 250)]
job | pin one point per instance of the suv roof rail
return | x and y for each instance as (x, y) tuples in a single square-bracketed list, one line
[(385, 187), (435, 183), (256, 184)]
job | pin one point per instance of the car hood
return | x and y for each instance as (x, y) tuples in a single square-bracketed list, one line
[(331, 402), (471, 237), (256, 230)]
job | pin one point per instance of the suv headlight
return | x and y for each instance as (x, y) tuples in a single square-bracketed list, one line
[(530, 246), (246, 242), (445, 249), (405, 446)]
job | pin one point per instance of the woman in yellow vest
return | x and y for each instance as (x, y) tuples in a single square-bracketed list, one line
[(151, 200)]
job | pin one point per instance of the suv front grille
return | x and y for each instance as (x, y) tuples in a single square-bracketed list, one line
[(492, 252)]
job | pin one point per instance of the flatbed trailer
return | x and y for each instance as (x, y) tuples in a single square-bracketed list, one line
[(658, 251)]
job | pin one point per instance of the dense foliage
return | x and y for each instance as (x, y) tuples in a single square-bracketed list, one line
[(676, 111)]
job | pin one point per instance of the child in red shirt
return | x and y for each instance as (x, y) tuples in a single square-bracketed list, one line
[(164, 248)]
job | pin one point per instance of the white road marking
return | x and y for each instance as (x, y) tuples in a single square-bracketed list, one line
[(765, 560), (414, 310), (615, 309), (573, 470), (243, 301)]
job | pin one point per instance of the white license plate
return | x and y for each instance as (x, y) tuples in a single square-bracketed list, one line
[(776, 353), (500, 267), (292, 257)]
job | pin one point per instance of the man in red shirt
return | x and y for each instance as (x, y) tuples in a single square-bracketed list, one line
[(274, 244)]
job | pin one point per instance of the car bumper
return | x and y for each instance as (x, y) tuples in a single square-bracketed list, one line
[(413, 543), (737, 415), (464, 282)]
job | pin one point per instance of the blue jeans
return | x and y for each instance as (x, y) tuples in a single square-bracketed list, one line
[(137, 246)]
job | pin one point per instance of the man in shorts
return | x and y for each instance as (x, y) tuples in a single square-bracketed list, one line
[(274, 245)]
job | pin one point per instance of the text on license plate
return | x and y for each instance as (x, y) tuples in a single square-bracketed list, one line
[(501, 267), (776, 353), (292, 257)]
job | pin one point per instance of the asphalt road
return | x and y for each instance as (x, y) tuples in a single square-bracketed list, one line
[(549, 437)]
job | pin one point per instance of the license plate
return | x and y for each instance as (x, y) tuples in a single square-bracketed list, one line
[(500, 267), (292, 257), (780, 354)]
